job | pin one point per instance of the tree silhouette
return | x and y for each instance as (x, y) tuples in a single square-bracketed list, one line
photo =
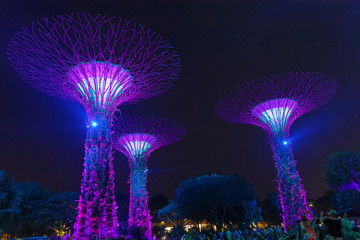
[(221, 200), (343, 171)]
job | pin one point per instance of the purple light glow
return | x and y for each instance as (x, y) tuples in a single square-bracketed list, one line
[(98, 83), (275, 113), (138, 143), (292, 193), (309, 90), (354, 184), (101, 63), (273, 103), (137, 137)]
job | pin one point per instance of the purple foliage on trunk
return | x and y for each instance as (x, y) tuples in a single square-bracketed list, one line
[(273, 103), (137, 137)]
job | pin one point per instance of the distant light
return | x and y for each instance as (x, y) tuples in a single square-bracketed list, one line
[(285, 142), (94, 124)]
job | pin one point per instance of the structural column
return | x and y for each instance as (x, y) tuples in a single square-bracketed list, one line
[(291, 191), (97, 206), (139, 216)]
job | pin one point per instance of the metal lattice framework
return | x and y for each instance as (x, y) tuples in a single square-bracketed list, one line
[(273, 103), (297, 93), (62, 55), (101, 63), (156, 131), (137, 137)]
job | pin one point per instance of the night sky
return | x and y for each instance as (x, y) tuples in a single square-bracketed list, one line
[(222, 44)]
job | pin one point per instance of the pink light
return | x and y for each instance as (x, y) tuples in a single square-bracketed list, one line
[(138, 143), (99, 83), (275, 113)]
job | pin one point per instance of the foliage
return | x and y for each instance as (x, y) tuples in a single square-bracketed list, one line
[(9, 203), (252, 213), (30, 201), (26, 208), (137, 233), (157, 202), (61, 207), (324, 203), (219, 199), (176, 232), (62, 230), (343, 170), (271, 209), (172, 213), (347, 201), (292, 195)]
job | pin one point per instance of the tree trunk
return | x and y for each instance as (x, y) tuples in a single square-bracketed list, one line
[(97, 207), (291, 191), (139, 215)]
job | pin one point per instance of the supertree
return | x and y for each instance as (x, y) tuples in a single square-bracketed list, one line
[(101, 63), (273, 103), (137, 137)]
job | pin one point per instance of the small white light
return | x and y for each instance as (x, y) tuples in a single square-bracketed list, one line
[(94, 124), (285, 142)]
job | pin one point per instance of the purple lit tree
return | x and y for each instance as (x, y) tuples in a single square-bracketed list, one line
[(137, 137), (101, 63), (343, 171), (273, 103)]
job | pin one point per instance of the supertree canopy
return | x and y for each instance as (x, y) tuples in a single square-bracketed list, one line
[(137, 137), (273, 103), (101, 63)]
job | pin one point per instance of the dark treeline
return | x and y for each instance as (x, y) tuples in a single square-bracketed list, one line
[(26, 209)]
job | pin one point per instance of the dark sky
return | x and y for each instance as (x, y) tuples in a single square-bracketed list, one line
[(222, 44)]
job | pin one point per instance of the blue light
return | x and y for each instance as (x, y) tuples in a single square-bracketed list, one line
[(94, 124), (285, 142)]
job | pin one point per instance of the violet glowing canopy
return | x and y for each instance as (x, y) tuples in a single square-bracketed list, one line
[(274, 102), (137, 137), (275, 113), (101, 63), (143, 134), (99, 83), (137, 143)]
